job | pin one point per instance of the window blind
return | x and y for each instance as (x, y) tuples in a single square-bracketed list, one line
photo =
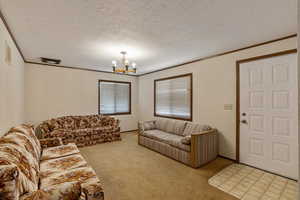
[(173, 97), (114, 97)]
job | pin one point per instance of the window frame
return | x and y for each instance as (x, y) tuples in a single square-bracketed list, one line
[(191, 97), (99, 97)]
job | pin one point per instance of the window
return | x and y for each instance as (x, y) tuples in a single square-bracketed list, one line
[(173, 97), (114, 97)]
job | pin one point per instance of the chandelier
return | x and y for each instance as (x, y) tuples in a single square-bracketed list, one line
[(124, 66)]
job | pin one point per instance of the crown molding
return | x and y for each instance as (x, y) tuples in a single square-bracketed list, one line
[(222, 54), (78, 68), (11, 35)]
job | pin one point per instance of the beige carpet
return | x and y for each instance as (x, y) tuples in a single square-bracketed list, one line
[(131, 172), (248, 183)]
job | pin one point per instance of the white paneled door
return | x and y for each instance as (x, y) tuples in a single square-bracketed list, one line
[(269, 114)]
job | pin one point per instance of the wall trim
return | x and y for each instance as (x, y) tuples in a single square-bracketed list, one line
[(227, 158), (11, 35), (222, 54), (77, 68)]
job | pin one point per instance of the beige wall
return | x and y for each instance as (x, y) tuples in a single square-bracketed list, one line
[(214, 82), (53, 92), (11, 84)]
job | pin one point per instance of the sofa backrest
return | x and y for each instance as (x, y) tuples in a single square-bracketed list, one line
[(171, 126), (181, 128), (76, 122), (19, 150)]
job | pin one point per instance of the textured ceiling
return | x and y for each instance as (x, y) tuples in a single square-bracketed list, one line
[(155, 33)]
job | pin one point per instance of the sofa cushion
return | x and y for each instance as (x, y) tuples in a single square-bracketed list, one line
[(68, 190), (168, 138), (59, 151), (178, 127), (68, 123), (176, 142), (44, 127), (161, 124), (158, 135), (54, 124), (51, 142), (61, 164), (81, 175), (95, 120), (56, 133), (191, 128), (171, 126), (92, 131), (84, 123), (8, 187)]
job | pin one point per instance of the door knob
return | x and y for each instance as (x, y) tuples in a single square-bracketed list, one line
[(244, 121)]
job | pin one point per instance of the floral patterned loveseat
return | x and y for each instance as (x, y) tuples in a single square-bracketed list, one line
[(81, 130), (32, 169)]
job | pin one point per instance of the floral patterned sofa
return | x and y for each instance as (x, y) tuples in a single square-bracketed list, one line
[(33, 169), (81, 130)]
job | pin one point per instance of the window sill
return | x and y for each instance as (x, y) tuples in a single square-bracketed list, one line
[(108, 114), (174, 117)]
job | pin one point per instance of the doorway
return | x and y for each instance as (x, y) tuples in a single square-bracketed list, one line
[(267, 113)]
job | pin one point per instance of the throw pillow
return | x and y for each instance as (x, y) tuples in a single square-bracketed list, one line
[(186, 140), (191, 128), (150, 125)]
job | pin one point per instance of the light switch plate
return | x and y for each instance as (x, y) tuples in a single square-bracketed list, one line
[(228, 106)]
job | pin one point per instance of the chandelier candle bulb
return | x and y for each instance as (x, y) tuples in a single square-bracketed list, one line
[(134, 65)]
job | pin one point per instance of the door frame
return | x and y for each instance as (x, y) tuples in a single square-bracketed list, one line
[(238, 62)]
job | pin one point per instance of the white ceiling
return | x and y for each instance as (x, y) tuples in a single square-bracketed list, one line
[(155, 33)]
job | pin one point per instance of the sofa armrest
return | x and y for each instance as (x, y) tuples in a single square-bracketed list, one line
[(51, 142), (145, 125), (116, 123), (9, 182), (204, 147), (92, 191), (67, 190), (109, 121)]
